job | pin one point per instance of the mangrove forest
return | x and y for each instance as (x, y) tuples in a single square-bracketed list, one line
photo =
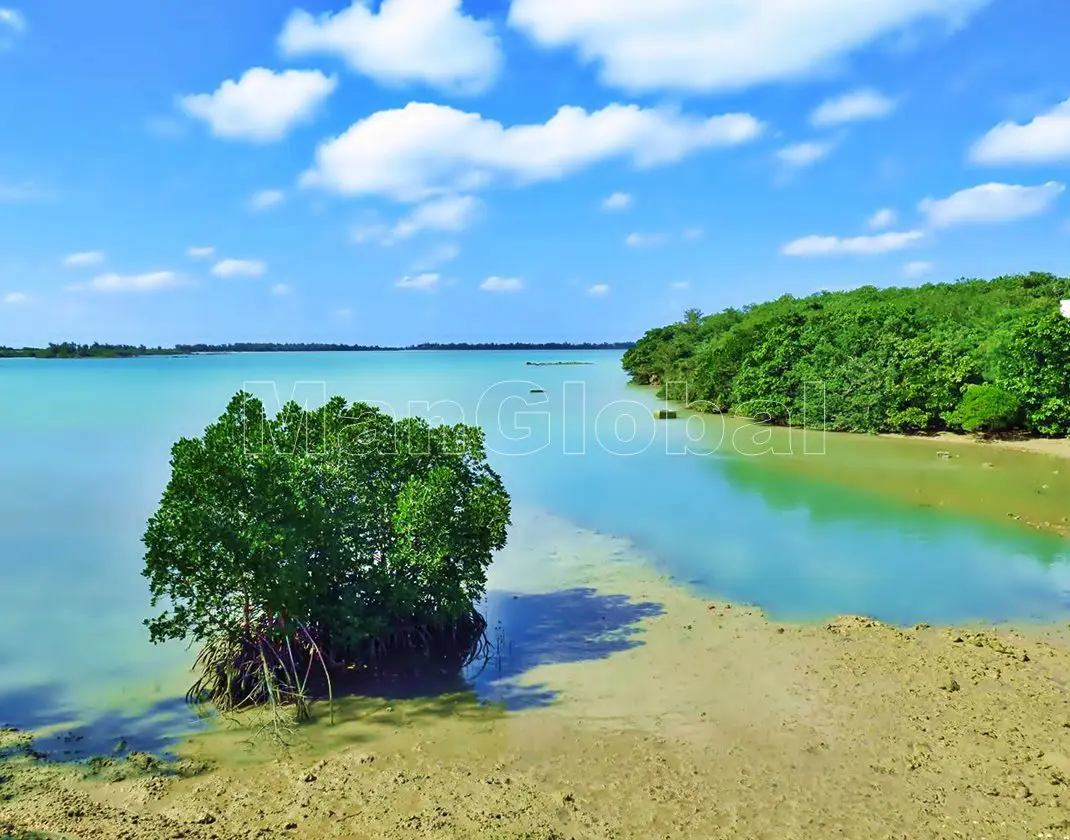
[(973, 355)]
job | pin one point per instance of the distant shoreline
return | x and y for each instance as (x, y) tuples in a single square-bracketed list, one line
[(70, 350)]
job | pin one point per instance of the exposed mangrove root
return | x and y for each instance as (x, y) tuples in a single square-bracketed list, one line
[(263, 666)]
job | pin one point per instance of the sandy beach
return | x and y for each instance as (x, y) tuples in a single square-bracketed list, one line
[(720, 723), (1054, 447)]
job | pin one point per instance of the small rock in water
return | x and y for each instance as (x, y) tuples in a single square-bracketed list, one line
[(987, 465), (942, 454), (950, 684)]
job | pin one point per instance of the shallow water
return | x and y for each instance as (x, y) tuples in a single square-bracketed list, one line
[(86, 456)]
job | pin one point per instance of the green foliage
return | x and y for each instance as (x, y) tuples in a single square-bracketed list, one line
[(874, 360), (987, 409), (340, 519)]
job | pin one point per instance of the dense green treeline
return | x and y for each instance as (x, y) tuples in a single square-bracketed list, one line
[(974, 355), (73, 350)]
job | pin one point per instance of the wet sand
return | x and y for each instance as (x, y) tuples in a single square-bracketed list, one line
[(719, 724)]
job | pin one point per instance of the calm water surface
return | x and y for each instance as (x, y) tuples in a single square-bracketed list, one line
[(85, 457)]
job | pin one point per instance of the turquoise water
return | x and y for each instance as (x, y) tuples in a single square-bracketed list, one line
[(85, 457)]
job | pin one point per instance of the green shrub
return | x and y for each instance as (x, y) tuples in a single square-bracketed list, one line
[(987, 409)]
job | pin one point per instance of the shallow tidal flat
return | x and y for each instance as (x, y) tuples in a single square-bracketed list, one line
[(677, 717)]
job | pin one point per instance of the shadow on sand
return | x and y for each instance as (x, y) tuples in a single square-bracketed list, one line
[(524, 631)]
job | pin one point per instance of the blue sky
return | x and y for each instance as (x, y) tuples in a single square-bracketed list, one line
[(400, 171)]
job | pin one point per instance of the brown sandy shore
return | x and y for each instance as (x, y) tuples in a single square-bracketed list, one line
[(1055, 447), (720, 724)]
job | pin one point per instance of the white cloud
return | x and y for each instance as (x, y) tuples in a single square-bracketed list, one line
[(437, 256), (681, 285), (83, 258), (239, 268), (12, 20), (427, 282), (15, 298), (266, 199), (646, 240), (800, 155), (149, 282), (449, 214), (643, 240), (883, 218), (598, 290), (990, 204), (917, 269), (427, 41), (881, 243), (423, 149), (199, 252), (618, 201), (280, 289), (862, 104), (1044, 139), (502, 284), (707, 45), (261, 106)]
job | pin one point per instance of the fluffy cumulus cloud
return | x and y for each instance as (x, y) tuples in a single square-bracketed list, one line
[(863, 104), (617, 201), (991, 204), (598, 290), (883, 218), (266, 199), (881, 243), (1044, 139), (423, 149), (200, 252), (114, 283), (800, 155), (707, 45), (427, 282), (15, 298), (502, 284), (261, 106), (427, 41), (83, 258), (239, 268)]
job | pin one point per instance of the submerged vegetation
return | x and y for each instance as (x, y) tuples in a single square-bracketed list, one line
[(975, 355), (313, 543)]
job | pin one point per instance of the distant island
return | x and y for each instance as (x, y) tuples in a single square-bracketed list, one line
[(73, 350)]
